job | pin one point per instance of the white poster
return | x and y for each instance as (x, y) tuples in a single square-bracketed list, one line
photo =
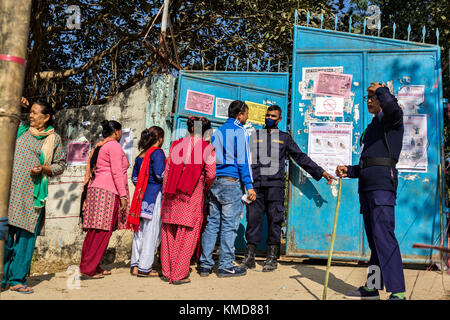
[(309, 76), (127, 143), (329, 107), (330, 144), (222, 107), (413, 156), (410, 97)]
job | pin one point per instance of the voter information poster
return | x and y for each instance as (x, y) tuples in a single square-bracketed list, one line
[(413, 157), (256, 112), (222, 107), (330, 144), (127, 143), (78, 153), (309, 77), (199, 102)]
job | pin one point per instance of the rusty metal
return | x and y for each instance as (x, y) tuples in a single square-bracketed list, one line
[(14, 24)]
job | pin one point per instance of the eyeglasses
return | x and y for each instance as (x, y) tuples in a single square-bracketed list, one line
[(371, 98)]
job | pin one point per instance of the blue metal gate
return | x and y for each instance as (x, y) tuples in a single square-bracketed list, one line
[(403, 66), (217, 88)]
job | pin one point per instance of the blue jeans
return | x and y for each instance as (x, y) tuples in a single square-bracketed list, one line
[(225, 208)]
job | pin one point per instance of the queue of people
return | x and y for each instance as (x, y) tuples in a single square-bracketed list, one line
[(221, 172)]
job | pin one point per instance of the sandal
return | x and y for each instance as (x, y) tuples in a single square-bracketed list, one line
[(97, 276), (24, 289), (164, 278), (182, 281), (152, 273)]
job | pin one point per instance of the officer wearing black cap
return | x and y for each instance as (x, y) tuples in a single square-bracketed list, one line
[(269, 148), (381, 144)]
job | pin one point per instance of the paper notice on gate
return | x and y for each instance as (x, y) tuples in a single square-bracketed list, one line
[(329, 107), (333, 84), (410, 97), (199, 102), (222, 106), (256, 112), (78, 153), (309, 77)]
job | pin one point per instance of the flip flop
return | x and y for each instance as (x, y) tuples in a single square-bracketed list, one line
[(97, 276), (182, 281), (152, 273), (22, 287)]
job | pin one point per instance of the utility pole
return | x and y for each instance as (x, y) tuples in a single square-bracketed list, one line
[(14, 33)]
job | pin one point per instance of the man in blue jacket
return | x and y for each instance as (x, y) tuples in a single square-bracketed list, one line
[(381, 144), (233, 172)]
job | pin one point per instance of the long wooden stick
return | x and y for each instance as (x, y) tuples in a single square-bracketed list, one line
[(427, 246), (333, 236)]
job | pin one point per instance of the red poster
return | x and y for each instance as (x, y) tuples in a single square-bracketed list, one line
[(199, 102)]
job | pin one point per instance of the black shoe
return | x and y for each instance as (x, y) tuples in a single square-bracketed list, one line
[(249, 260), (362, 294), (232, 272), (392, 297), (204, 272), (271, 260)]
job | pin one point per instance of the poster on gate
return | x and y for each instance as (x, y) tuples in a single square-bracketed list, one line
[(222, 105), (199, 102), (413, 157), (329, 107), (333, 84), (256, 112), (330, 144)]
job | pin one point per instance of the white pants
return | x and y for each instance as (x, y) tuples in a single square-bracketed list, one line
[(147, 240)]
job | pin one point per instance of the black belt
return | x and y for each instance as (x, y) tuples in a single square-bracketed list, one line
[(369, 162)]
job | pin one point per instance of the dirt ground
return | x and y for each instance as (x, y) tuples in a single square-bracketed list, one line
[(293, 280)]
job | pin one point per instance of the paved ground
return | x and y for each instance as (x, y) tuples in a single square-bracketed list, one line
[(291, 281)]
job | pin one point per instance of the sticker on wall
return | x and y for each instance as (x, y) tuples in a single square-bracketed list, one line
[(413, 156), (309, 76), (78, 153), (222, 107), (199, 102), (333, 84), (329, 107), (330, 144), (256, 112)]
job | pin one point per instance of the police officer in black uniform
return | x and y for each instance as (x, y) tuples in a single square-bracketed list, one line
[(269, 148), (381, 144)]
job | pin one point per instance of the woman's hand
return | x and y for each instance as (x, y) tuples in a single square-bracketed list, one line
[(39, 169), (123, 204)]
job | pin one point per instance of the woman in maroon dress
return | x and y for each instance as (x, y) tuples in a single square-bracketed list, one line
[(190, 171)]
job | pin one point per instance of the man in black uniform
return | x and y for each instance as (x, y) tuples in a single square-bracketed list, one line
[(269, 147), (381, 144)]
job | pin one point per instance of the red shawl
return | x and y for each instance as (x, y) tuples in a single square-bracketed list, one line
[(185, 172), (141, 185)]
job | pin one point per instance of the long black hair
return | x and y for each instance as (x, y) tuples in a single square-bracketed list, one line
[(206, 124), (149, 137), (109, 126)]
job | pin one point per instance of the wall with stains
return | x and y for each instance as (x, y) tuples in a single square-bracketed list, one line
[(62, 238)]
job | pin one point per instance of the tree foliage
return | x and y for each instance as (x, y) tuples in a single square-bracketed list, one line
[(106, 55)]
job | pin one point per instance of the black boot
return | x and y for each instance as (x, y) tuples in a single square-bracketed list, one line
[(271, 260), (249, 259)]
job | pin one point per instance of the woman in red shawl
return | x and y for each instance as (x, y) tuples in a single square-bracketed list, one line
[(190, 171)]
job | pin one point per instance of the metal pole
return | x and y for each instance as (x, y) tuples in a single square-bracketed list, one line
[(333, 236), (14, 32)]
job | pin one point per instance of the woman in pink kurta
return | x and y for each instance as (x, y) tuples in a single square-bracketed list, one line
[(190, 171), (105, 208)]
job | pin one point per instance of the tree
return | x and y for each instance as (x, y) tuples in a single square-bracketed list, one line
[(71, 67)]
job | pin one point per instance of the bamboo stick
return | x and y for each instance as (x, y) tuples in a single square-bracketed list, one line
[(333, 236)]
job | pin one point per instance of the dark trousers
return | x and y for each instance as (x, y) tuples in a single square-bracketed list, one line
[(378, 209), (269, 200)]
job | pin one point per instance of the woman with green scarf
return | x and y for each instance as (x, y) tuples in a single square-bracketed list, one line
[(38, 155)]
